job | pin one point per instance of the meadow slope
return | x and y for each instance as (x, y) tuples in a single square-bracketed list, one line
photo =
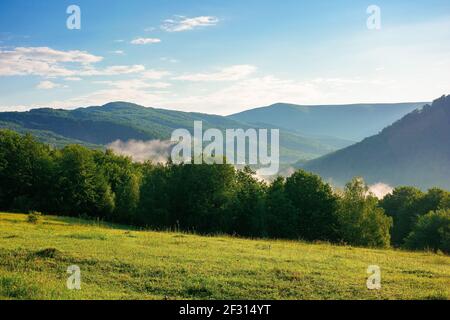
[(121, 263)]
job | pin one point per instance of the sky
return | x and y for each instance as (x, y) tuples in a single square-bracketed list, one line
[(222, 57)]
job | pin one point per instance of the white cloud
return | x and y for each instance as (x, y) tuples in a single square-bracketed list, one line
[(112, 70), (135, 84), (47, 85), (47, 62), (246, 93), (42, 61), (73, 79), (142, 41), (51, 55), (182, 23), (135, 91), (337, 81), (232, 73), (118, 52), (154, 74)]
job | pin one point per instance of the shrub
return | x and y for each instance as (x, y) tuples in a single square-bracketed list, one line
[(34, 217), (432, 231)]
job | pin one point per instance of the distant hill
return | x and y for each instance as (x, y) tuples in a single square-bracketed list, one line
[(413, 151), (346, 122), (100, 125)]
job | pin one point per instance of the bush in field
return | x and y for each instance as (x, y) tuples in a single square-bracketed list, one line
[(34, 217), (361, 221), (432, 231)]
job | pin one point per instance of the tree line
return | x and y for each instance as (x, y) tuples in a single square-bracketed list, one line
[(211, 199)]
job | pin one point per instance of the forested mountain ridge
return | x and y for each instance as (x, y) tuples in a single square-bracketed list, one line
[(413, 151), (100, 125), (352, 122)]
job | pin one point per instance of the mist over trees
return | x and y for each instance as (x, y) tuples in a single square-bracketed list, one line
[(210, 199)]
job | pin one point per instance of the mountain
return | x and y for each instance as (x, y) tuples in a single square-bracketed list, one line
[(413, 151), (345, 122), (98, 126)]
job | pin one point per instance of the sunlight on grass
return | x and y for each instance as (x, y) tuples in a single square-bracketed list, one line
[(118, 263)]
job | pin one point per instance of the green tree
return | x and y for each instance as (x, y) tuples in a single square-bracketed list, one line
[(199, 194), (402, 206), (25, 171), (246, 213), (124, 178), (153, 208), (432, 231), (282, 221), (81, 187), (434, 199), (314, 204), (407, 204), (361, 221)]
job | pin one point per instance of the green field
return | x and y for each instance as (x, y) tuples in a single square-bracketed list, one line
[(121, 263)]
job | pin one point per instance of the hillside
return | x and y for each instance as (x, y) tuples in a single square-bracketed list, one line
[(100, 125), (121, 263), (413, 151), (346, 122)]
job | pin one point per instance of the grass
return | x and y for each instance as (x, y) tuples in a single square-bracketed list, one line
[(121, 263)]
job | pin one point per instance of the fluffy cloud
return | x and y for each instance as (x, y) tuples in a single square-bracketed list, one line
[(232, 73), (46, 85), (142, 41), (51, 55), (181, 23), (42, 61), (135, 84), (47, 62), (135, 91), (111, 71), (73, 79), (249, 92), (154, 74)]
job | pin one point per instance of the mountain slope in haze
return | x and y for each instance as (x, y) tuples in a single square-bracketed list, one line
[(101, 125), (349, 122), (413, 151)]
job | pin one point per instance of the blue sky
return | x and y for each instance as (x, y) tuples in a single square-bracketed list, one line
[(221, 56)]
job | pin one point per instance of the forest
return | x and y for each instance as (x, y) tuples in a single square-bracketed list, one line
[(215, 199)]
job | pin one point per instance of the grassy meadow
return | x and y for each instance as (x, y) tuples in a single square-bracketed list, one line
[(122, 263)]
